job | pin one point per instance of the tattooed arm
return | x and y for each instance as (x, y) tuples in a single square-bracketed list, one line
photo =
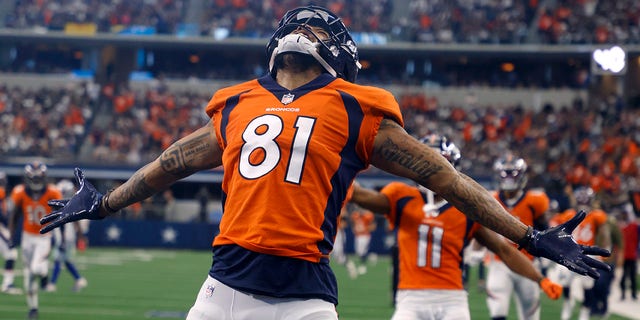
[(195, 152), (398, 153)]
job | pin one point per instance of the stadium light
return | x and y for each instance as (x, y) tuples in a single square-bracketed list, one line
[(609, 61)]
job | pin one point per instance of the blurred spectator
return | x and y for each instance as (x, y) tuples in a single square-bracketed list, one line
[(46, 122), (203, 198), (170, 205)]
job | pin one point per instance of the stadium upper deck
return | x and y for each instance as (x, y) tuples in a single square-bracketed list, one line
[(434, 21)]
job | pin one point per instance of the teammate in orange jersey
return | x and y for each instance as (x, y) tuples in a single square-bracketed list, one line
[(293, 141), (363, 223), (591, 231), (432, 235), (30, 203), (7, 249), (529, 207)]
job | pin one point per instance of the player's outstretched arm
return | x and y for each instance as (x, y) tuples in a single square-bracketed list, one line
[(369, 199), (398, 153), (195, 152), (517, 261)]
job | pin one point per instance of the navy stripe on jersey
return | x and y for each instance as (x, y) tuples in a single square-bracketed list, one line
[(503, 199), (278, 91), (253, 273), (350, 165), (229, 105)]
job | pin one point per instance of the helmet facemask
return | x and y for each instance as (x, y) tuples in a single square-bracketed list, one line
[(338, 54), (512, 173)]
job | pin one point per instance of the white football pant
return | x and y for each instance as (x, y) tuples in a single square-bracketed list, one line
[(501, 283), (431, 305), (216, 301)]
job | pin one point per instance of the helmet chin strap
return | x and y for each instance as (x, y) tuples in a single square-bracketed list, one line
[(431, 206), (301, 44)]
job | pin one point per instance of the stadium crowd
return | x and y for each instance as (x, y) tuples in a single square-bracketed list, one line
[(595, 144), (107, 16), (137, 126), (48, 122), (460, 21)]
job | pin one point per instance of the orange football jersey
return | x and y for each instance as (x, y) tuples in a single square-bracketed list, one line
[(289, 160), (561, 217), (531, 206), (3, 196), (430, 243), (33, 209), (4, 215), (585, 233), (361, 221)]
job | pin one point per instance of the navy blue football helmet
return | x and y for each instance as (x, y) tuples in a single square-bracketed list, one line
[(338, 55), (512, 172), (584, 197), (35, 175), (446, 148)]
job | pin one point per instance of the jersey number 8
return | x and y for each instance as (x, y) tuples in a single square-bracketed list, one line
[(261, 133)]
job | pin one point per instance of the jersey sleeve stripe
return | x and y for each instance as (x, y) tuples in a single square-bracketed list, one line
[(350, 165)]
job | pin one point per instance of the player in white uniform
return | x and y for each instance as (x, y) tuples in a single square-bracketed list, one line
[(7, 249), (30, 201), (64, 241)]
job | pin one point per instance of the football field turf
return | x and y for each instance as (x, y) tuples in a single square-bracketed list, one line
[(162, 284)]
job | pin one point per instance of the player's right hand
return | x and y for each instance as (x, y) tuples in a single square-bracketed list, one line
[(558, 245), (550, 288), (85, 204)]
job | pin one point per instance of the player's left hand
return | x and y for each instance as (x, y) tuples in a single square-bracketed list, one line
[(550, 288), (85, 204), (558, 245)]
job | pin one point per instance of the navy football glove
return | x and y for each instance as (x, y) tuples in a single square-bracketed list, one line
[(557, 244), (85, 204)]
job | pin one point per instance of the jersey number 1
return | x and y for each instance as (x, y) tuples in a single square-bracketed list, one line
[(435, 234), (271, 127)]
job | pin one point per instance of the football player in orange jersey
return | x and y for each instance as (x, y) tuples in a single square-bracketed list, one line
[(30, 202), (293, 141), (7, 249), (593, 230), (529, 207), (431, 236), (363, 223)]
